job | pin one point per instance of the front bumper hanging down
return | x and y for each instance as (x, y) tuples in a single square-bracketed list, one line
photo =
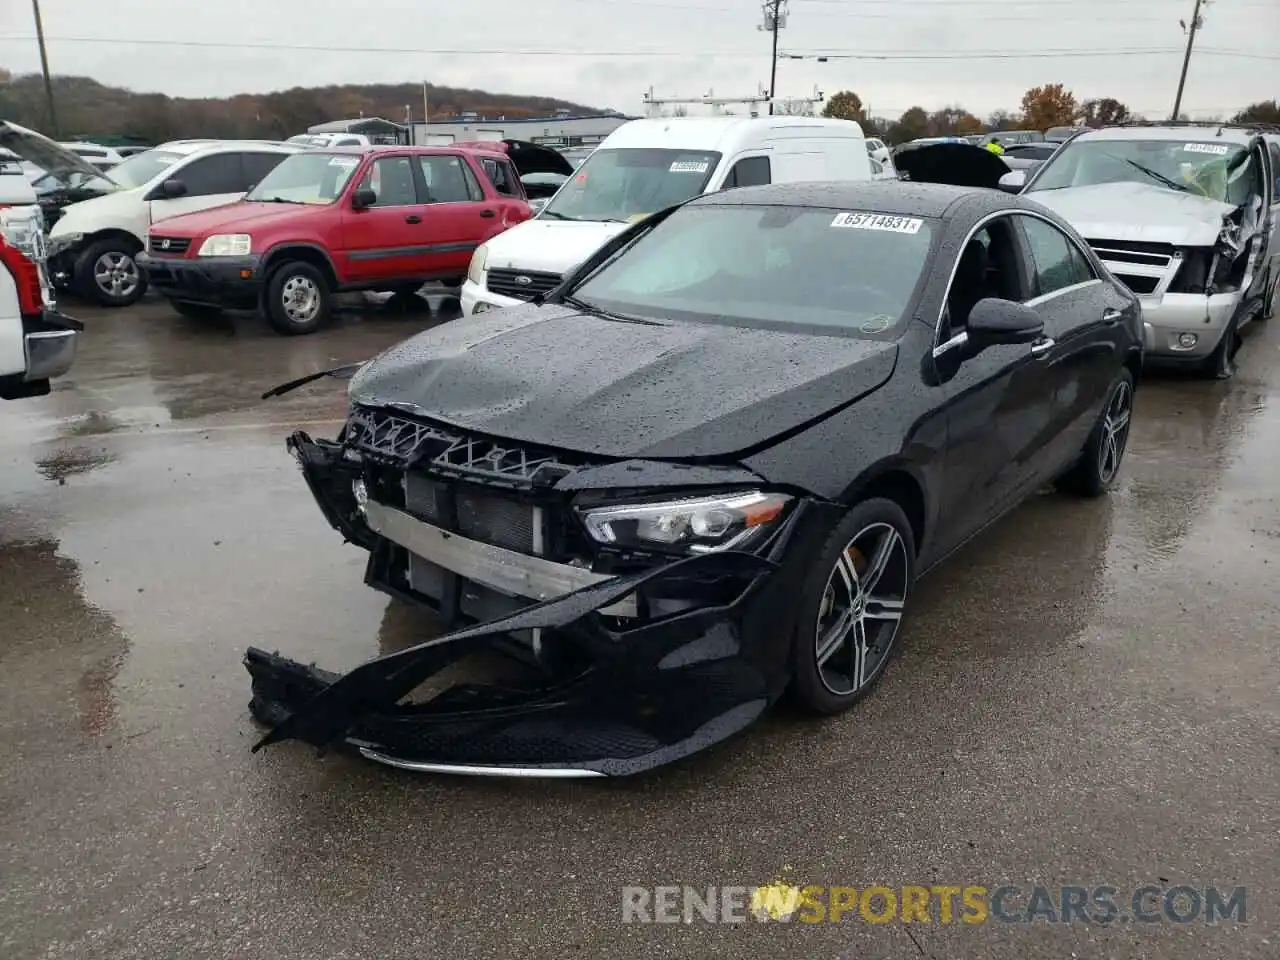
[(651, 693)]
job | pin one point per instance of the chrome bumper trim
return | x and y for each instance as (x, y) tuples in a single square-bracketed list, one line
[(515, 574), (50, 353), (468, 770)]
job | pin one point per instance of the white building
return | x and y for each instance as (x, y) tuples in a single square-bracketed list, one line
[(558, 131)]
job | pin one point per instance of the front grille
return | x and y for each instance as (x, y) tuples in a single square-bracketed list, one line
[(1145, 268), (168, 246), (522, 284), (397, 440)]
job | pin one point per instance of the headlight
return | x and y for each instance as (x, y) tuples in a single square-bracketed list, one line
[(226, 245), (59, 242), (703, 525), (475, 272)]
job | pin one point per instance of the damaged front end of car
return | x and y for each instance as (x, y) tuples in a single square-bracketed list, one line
[(639, 610)]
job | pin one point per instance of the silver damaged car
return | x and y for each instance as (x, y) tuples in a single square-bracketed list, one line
[(1186, 216)]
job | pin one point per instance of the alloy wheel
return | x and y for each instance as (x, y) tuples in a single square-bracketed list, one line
[(1115, 432), (300, 297), (861, 609), (116, 274)]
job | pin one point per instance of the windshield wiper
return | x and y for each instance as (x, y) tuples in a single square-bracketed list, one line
[(277, 200), (555, 215), (608, 315), (1160, 177)]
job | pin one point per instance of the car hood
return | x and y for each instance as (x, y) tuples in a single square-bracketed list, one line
[(1138, 211), (555, 246), (961, 164), (43, 152), (244, 216), (552, 376), (99, 213)]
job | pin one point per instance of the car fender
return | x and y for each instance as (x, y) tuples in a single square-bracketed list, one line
[(277, 252)]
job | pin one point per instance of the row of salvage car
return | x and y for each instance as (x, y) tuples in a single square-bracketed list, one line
[(706, 467)]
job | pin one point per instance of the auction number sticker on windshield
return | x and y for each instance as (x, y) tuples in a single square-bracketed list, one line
[(344, 161), (1219, 149), (690, 166), (877, 221)]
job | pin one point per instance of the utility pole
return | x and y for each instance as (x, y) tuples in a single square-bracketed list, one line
[(1196, 23), (775, 18), (44, 68)]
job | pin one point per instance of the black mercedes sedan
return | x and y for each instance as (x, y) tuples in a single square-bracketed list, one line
[(705, 471)]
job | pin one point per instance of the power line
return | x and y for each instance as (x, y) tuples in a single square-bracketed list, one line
[(912, 55)]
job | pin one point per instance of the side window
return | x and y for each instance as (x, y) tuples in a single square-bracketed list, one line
[(207, 176), (749, 172), (500, 176), (348, 142), (258, 165), (1057, 262), (446, 179), (391, 180)]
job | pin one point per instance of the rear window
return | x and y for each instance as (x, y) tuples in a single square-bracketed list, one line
[(769, 266)]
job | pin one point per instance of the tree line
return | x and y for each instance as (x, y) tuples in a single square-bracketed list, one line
[(87, 109), (1051, 105)]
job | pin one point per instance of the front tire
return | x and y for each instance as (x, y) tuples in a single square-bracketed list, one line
[(1220, 365), (297, 299), (851, 606), (1099, 464), (106, 273)]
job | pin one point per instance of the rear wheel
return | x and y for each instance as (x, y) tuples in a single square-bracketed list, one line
[(297, 298), (851, 607), (195, 311), (107, 273), (1099, 464)]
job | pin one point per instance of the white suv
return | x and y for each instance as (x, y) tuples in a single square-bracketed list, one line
[(93, 244)]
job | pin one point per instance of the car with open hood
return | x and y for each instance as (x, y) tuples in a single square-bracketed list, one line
[(93, 247), (1186, 215), (336, 219), (60, 177), (707, 469)]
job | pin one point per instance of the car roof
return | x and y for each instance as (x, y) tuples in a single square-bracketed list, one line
[(215, 146), (1208, 131), (893, 197), (359, 150)]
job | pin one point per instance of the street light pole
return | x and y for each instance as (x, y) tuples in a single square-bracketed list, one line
[(44, 68), (1186, 59)]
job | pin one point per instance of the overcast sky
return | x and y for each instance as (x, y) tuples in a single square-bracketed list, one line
[(704, 44)]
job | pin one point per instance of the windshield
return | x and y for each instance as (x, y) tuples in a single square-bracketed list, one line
[(315, 178), (630, 184), (1220, 171), (143, 167), (766, 266)]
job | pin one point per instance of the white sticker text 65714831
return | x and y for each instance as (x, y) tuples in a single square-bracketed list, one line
[(877, 221)]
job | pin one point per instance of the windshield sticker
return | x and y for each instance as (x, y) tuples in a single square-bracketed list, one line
[(344, 162), (876, 221), (690, 166), (1219, 149)]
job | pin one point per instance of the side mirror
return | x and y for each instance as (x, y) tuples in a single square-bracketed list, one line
[(1013, 181), (993, 322), (173, 189), (363, 197)]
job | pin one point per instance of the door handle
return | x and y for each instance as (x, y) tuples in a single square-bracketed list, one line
[(1111, 315), (488, 214), (1041, 347), (413, 218)]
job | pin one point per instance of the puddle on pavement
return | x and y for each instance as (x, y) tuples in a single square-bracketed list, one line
[(73, 462)]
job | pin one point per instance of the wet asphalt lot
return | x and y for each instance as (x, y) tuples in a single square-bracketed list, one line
[(1088, 694)]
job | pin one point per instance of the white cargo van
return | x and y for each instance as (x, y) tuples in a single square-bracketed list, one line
[(648, 165)]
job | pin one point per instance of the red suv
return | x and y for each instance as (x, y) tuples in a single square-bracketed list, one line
[(346, 218)]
